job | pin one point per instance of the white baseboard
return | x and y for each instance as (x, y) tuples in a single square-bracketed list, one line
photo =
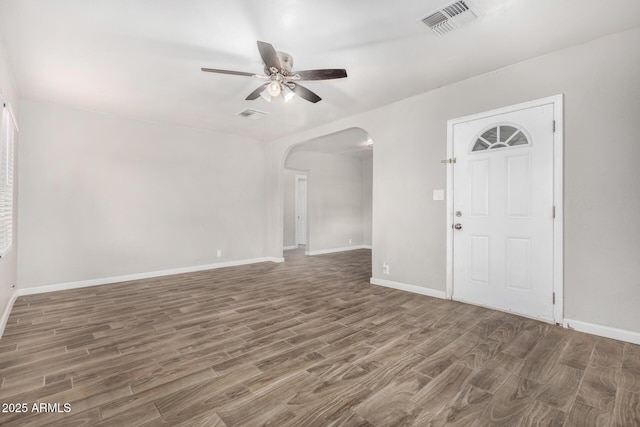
[(603, 331), (7, 311), (139, 276), (409, 288), (334, 250), (290, 248)]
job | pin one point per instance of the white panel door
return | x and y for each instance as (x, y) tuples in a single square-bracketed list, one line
[(301, 210), (503, 212)]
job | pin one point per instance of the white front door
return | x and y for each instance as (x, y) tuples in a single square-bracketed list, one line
[(301, 210), (503, 213)]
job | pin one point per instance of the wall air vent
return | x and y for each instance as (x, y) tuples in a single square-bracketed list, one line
[(450, 16), (252, 114)]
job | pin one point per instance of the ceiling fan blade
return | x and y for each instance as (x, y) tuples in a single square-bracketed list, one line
[(305, 93), (269, 55), (328, 74), (235, 73), (256, 93)]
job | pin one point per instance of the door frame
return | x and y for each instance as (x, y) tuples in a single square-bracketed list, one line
[(301, 177), (558, 193)]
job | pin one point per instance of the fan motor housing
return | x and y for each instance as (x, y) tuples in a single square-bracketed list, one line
[(286, 62)]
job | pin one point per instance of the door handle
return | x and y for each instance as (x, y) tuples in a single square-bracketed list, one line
[(457, 226)]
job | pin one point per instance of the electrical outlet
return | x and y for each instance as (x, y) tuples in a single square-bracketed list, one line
[(385, 268), (219, 254), (350, 241)]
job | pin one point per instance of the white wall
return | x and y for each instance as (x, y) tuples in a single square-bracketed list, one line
[(103, 196), (602, 179), (8, 264), (334, 196)]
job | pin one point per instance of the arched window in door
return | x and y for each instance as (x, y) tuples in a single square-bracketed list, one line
[(501, 136)]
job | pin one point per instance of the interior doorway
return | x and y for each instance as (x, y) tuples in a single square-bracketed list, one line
[(301, 209)]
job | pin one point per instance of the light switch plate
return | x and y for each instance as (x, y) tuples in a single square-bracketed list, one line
[(438, 194)]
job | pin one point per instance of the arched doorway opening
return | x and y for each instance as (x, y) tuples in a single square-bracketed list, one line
[(328, 189)]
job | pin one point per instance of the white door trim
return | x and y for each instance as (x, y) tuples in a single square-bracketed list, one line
[(558, 194)]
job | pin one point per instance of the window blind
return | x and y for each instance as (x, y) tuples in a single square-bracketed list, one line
[(6, 180)]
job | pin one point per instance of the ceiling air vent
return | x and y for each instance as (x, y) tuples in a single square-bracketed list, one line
[(451, 16), (252, 114)]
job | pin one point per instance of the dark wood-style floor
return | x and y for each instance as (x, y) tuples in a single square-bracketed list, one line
[(304, 343)]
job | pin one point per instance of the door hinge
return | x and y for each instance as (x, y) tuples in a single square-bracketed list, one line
[(553, 126), (553, 212), (553, 299), (451, 160)]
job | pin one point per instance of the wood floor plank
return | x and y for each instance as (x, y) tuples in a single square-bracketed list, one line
[(495, 372), (268, 403), (391, 405), (144, 414), (18, 384), (511, 402), (629, 378), (308, 342), (210, 419), (375, 376), (463, 409), (482, 353), (328, 405), (540, 415), (346, 418), (585, 415), (88, 418), (435, 395), (126, 403), (577, 352), (203, 397), (523, 343), (631, 350), (627, 409), (508, 330), (598, 388), (560, 391), (541, 361)]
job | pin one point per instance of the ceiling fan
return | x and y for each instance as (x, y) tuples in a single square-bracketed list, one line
[(280, 79)]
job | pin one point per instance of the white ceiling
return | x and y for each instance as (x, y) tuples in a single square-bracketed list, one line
[(142, 58)]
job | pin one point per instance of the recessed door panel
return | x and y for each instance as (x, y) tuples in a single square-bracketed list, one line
[(479, 187), (518, 182), (479, 259), (518, 263)]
